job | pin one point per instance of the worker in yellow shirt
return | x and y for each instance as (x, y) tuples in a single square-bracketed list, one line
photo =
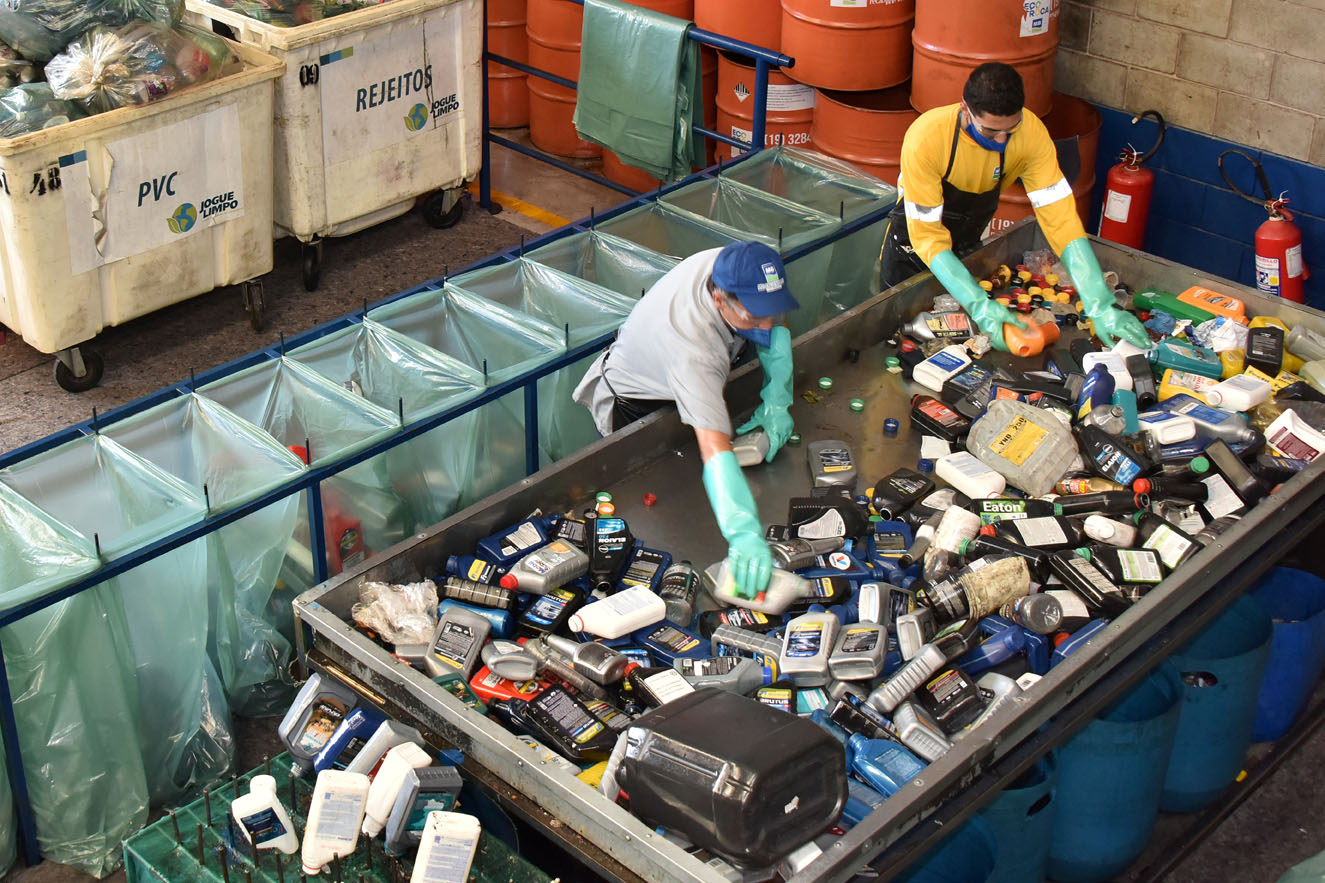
[(955, 161)]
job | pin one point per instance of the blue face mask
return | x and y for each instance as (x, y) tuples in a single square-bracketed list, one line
[(986, 143), (758, 336)]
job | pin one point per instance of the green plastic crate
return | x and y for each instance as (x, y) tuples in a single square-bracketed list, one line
[(154, 854)]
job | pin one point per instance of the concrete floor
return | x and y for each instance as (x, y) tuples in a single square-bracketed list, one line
[(1281, 824)]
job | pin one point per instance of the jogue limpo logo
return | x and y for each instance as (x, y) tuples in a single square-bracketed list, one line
[(416, 118), (183, 219)]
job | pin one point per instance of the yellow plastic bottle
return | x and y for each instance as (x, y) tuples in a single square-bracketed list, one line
[(1234, 362), (1184, 382)]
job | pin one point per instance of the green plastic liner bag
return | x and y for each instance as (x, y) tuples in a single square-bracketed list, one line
[(103, 490), (74, 697), (614, 263), (204, 444)]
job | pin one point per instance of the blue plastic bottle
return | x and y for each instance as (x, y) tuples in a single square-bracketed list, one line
[(507, 546), (475, 569), (502, 622), (1097, 390), (668, 642), (349, 737), (883, 764)]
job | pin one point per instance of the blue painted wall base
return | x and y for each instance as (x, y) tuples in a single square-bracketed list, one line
[(1195, 219)]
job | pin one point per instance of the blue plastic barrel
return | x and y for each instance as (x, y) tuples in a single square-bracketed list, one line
[(1022, 821), (1221, 670), (1110, 776), (967, 855), (1295, 601)]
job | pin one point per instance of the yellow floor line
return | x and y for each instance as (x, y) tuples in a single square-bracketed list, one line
[(505, 200)]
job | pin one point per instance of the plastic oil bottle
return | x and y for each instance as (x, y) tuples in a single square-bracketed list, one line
[(334, 817), (446, 849), (262, 817), (1028, 446), (547, 568), (313, 717), (426, 790), (387, 783), (806, 648)]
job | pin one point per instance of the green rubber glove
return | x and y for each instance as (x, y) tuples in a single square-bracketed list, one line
[(988, 314), (748, 558), (1097, 301), (775, 395)]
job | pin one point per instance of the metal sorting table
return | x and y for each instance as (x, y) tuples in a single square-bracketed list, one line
[(659, 455)]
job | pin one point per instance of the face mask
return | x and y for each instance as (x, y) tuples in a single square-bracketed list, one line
[(758, 336), (986, 143)]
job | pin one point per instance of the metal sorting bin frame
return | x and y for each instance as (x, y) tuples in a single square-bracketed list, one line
[(311, 479), (659, 452)]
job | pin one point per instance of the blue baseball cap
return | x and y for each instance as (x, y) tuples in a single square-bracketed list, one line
[(754, 273)]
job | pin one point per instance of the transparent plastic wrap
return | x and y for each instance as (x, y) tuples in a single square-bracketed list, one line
[(292, 13), (610, 261), (136, 64), (73, 698), (400, 374), (103, 490), (33, 107), (40, 28), (206, 445), (15, 69), (658, 228), (400, 614)]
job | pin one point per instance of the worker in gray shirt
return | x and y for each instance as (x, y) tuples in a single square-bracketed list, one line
[(678, 345)]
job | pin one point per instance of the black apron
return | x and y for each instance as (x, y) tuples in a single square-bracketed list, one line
[(964, 214)]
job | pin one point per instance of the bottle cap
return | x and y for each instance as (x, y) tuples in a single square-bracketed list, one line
[(825, 383), (890, 426), (857, 404), (893, 361), (962, 547), (1199, 465), (1142, 486), (603, 497), (987, 531), (794, 438), (509, 581), (986, 285), (650, 499), (925, 465), (606, 509), (908, 346), (575, 622)]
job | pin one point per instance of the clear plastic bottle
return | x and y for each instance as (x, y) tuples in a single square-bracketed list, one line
[(1028, 446)]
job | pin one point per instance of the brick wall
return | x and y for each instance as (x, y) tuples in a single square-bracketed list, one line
[(1249, 71), (1224, 73)]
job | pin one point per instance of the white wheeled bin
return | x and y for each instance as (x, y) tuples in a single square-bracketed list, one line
[(107, 218), (377, 107)]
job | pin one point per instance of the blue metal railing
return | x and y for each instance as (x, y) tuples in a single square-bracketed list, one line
[(763, 58)]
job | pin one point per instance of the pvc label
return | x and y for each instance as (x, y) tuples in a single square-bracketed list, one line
[(341, 814), (263, 826), (790, 96), (1036, 17), (142, 202), (383, 90), (1137, 567)]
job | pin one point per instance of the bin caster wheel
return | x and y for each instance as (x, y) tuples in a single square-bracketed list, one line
[(443, 209), (312, 265), (93, 368), (254, 304)]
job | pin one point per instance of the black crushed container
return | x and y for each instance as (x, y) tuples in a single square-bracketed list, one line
[(746, 781)]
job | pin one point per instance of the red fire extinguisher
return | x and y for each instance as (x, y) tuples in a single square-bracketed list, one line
[(1279, 267), (1130, 185)]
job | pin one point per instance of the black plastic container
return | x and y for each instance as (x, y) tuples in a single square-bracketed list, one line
[(734, 776)]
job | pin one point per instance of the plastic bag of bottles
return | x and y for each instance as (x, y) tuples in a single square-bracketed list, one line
[(32, 107), (291, 13), (136, 64), (39, 29), (15, 69)]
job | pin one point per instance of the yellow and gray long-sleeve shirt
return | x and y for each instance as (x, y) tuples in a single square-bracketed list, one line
[(1030, 156)]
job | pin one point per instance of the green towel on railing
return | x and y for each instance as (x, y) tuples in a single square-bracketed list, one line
[(640, 89)]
